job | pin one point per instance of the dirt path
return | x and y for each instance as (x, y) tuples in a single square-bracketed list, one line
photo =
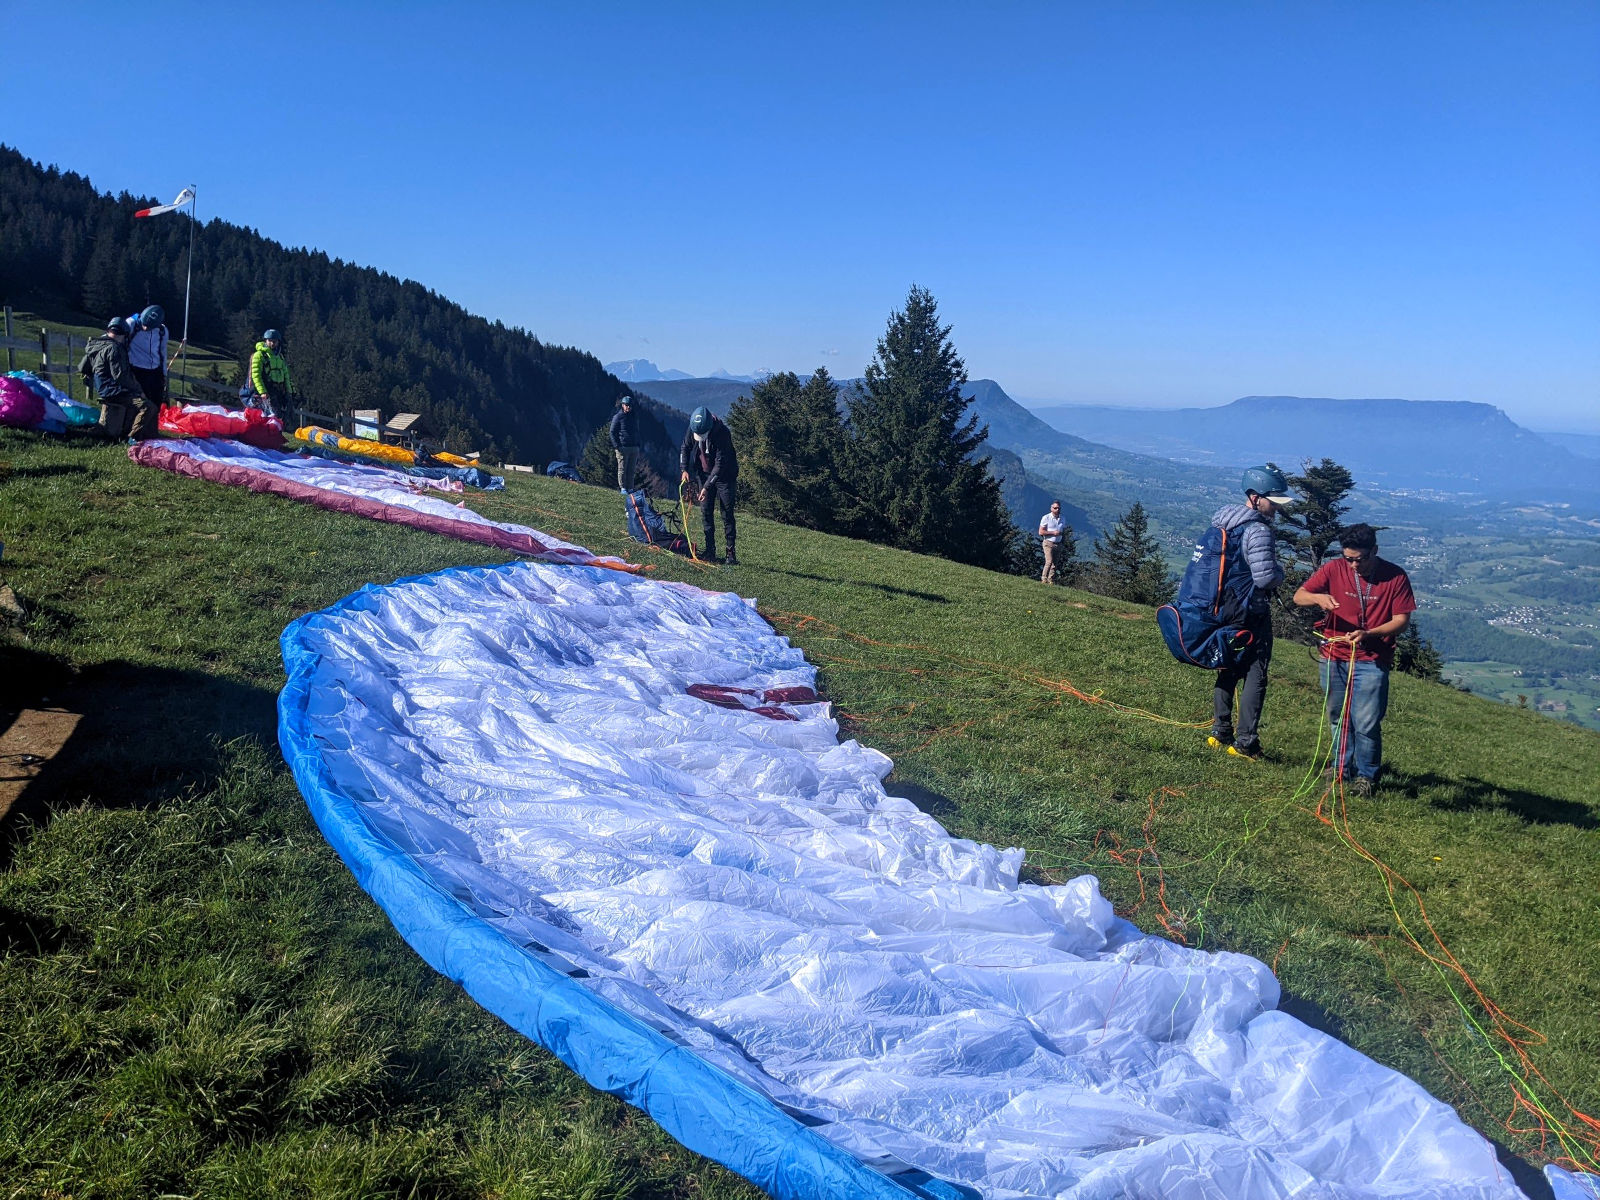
[(31, 741)]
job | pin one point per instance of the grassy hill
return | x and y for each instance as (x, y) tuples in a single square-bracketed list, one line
[(195, 997)]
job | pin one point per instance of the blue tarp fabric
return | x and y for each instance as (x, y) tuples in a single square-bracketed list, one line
[(723, 918)]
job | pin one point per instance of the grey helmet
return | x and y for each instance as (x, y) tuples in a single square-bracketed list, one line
[(700, 421), (1268, 482)]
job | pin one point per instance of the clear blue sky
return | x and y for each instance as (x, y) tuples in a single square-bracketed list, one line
[(1124, 202)]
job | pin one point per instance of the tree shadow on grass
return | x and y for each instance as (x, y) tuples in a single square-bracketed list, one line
[(1468, 793), (46, 471), (887, 589), (145, 734)]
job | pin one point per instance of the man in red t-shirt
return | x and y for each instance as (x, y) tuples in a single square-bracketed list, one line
[(1368, 601)]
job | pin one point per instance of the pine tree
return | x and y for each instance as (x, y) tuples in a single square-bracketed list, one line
[(1415, 655), (911, 461), (1128, 564), (1308, 530), (598, 465), (789, 437)]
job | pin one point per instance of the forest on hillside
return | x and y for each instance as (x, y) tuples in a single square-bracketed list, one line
[(355, 337)]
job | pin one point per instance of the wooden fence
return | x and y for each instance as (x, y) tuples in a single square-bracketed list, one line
[(58, 355)]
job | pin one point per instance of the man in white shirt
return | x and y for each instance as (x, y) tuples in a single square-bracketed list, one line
[(147, 354), (1052, 532)]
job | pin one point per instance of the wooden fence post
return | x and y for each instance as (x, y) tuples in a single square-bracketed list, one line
[(11, 355)]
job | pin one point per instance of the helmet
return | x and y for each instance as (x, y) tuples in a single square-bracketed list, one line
[(119, 325), (1268, 482), (272, 335), (152, 316), (700, 421), (628, 400)]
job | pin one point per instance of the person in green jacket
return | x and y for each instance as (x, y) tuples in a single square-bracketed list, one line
[(269, 374)]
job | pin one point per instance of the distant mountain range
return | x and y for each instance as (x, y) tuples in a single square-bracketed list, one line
[(642, 370), (688, 394), (1399, 445)]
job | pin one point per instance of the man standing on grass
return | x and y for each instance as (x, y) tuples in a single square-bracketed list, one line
[(1367, 601), (1052, 532), (707, 456), (147, 353), (625, 441), (1249, 525), (124, 408), (269, 374)]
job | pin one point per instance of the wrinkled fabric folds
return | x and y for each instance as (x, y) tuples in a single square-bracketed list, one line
[(725, 905)]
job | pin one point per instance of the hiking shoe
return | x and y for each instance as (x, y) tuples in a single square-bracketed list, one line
[(731, 559), (1361, 786), (1217, 742), (1253, 753)]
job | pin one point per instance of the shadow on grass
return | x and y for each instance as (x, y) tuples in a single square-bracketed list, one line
[(146, 733), (887, 589), (936, 806), (1471, 794), (46, 471)]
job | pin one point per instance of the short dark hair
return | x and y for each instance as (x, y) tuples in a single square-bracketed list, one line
[(1358, 537)]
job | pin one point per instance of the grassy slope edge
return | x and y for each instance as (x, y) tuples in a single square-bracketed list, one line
[(195, 999)]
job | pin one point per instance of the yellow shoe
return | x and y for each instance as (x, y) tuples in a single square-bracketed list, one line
[(1253, 753), (1217, 743)]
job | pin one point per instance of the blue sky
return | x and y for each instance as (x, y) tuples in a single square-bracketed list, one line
[(1131, 203)]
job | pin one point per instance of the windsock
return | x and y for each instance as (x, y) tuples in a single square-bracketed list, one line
[(184, 197)]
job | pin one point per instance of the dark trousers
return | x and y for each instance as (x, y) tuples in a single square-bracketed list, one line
[(153, 382), (718, 495), (1252, 672)]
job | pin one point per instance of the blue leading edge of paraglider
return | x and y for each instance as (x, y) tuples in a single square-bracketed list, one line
[(702, 1107)]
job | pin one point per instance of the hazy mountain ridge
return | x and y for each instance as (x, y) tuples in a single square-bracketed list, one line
[(1438, 445)]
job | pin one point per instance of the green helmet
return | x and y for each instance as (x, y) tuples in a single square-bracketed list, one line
[(1268, 482)]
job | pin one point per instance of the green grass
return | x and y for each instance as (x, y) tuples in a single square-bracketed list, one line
[(196, 998)]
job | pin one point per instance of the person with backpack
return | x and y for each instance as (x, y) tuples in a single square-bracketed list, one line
[(1245, 534), (707, 456), (269, 374), (125, 411), (1367, 601), (625, 441), (147, 353)]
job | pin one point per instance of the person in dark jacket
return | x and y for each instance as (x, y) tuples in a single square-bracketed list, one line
[(1265, 491), (711, 468), (625, 441), (125, 411)]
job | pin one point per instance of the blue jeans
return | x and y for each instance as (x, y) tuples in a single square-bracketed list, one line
[(1369, 700)]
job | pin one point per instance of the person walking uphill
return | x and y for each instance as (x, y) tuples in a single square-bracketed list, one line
[(125, 410), (1367, 601), (707, 456), (147, 353), (625, 441), (1250, 523), (1052, 533), (269, 374)]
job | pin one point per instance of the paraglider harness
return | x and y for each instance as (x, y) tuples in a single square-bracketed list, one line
[(1206, 626), (646, 524)]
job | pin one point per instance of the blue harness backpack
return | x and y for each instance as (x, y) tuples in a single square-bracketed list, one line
[(646, 524), (1205, 625)]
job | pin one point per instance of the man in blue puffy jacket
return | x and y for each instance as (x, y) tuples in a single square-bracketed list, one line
[(147, 353), (1250, 523)]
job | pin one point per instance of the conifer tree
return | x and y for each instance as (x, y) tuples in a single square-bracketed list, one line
[(599, 462), (790, 436), (1308, 530), (912, 463), (1415, 655), (1128, 564)]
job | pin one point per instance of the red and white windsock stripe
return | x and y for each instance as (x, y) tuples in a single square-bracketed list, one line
[(184, 197)]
